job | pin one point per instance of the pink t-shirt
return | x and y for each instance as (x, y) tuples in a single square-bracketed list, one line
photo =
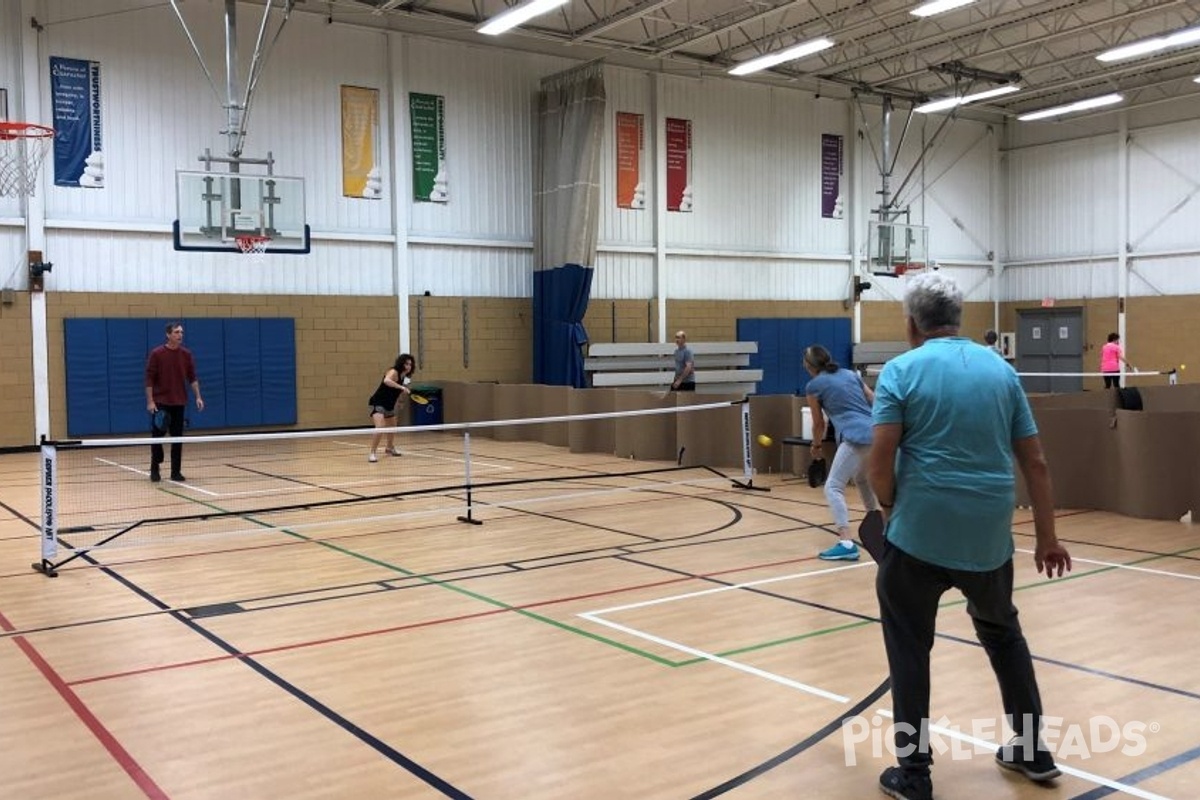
[(1110, 357)]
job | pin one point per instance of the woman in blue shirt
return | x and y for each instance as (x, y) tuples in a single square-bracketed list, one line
[(846, 399)]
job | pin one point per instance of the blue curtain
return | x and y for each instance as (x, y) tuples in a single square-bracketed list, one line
[(560, 299), (567, 220)]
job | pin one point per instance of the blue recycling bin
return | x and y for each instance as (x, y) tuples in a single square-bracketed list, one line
[(431, 412)]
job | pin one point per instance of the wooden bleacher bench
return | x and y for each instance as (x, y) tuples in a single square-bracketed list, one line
[(876, 354), (720, 367)]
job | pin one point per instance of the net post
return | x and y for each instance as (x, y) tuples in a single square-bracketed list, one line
[(470, 520), (49, 487), (747, 481)]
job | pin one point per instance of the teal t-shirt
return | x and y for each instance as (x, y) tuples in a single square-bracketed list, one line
[(842, 397), (962, 407)]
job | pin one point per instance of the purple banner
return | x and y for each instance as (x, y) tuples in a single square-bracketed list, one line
[(832, 206)]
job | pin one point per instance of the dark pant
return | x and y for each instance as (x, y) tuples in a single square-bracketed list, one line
[(1112, 381), (687, 386), (909, 591), (175, 428)]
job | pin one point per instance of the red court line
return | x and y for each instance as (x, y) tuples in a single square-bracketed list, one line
[(106, 738), (415, 625)]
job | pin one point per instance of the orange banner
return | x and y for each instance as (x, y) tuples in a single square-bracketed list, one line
[(360, 143), (631, 191)]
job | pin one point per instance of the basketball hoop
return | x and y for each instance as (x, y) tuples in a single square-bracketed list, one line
[(253, 246), (23, 145), (899, 270)]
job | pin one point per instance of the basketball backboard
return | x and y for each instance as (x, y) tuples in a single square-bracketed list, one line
[(897, 247), (215, 208)]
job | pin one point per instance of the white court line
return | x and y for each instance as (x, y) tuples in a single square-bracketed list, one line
[(1078, 773), (761, 673), (749, 584), (419, 454), (145, 474), (1130, 567)]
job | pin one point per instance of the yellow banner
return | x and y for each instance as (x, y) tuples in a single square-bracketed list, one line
[(360, 143)]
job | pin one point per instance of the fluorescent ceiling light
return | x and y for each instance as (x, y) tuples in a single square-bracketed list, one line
[(951, 102), (938, 7), (790, 54), (1147, 46), (1071, 108), (518, 15)]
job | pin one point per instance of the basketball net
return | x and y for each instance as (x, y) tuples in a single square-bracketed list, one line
[(23, 145), (254, 246)]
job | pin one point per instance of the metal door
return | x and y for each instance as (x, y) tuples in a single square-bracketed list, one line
[(1050, 341)]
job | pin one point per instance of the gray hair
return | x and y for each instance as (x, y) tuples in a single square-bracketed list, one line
[(933, 300)]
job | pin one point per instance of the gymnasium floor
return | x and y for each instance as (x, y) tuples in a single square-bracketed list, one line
[(674, 638)]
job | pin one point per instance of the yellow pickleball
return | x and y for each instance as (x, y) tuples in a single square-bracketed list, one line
[(764, 440)]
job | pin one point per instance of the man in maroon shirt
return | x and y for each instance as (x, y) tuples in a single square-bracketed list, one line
[(169, 369)]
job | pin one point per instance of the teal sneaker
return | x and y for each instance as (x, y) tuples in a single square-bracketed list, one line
[(842, 551)]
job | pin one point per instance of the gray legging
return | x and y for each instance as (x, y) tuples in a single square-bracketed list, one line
[(850, 461)]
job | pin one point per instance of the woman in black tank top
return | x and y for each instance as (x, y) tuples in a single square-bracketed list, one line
[(383, 402)]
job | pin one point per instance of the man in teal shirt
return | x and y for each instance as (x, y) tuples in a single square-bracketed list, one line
[(949, 417)]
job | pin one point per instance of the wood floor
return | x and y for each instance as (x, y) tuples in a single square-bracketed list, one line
[(675, 639)]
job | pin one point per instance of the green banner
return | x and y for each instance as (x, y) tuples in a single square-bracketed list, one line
[(427, 116)]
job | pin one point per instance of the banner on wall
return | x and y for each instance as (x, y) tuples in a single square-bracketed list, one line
[(427, 120), (631, 149), (832, 206), (78, 145), (360, 143), (679, 165)]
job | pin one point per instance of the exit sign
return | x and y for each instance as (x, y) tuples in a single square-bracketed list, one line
[(1047, 302)]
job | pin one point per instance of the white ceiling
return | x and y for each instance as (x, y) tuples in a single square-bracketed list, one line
[(1049, 45)]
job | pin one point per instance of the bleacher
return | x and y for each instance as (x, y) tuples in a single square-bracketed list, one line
[(720, 367)]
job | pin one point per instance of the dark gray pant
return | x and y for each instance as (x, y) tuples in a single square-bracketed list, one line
[(909, 591), (175, 417)]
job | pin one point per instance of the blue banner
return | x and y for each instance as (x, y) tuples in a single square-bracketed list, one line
[(75, 93)]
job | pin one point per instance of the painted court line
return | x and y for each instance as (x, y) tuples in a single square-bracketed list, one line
[(453, 459), (146, 475), (1130, 567), (760, 673), (1078, 773), (747, 585)]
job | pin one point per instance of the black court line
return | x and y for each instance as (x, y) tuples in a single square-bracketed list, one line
[(830, 728), (287, 479), (364, 736), (1151, 771)]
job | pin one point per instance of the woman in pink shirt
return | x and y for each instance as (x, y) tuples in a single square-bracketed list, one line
[(1111, 358)]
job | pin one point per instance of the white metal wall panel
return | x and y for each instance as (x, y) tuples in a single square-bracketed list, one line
[(490, 104), (756, 169), (1164, 188), (694, 278), (471, 271), (113, 261), (1074, 280), (14, 272), (1062, 200), (623, 276), (1164, 275), (10, 50), (628, 91)]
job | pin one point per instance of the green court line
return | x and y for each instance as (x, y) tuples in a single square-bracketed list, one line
[(629, 648)]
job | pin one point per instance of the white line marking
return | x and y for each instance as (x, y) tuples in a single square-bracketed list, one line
[(702, 592), (1078, 773), (1129, 567), (145, 474), (419, 454), (804, 687)]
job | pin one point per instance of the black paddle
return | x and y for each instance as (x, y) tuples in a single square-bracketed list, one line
[(870, 533)]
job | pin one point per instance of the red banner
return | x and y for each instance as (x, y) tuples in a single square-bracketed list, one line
[(631, 192), (679, 165)]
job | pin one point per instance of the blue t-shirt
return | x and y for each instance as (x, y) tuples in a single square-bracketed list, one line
[(843, 399), (962, 407)]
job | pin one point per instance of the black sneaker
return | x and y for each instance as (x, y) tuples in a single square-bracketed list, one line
[(895, 782), (154, 476), (1040, 769), (178, 477)]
